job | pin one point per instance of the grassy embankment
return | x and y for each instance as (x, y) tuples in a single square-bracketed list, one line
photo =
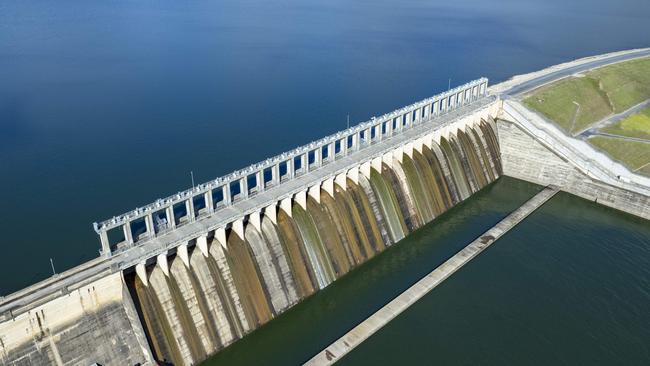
[(636, 125), (634, 154), (601, 93), (556, 102)]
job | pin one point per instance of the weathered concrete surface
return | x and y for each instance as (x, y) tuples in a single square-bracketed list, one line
[(376, 321), (95, 323), (167, 242), (525, 157), (84, 325), (595, 164)]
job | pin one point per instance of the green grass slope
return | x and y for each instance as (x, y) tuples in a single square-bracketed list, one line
[(635, 155), (600, 93), (636, 125), (556, 102)]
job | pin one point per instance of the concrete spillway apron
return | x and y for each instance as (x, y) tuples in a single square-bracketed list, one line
[(376, 321)]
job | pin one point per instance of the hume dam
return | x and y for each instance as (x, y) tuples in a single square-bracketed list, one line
[(186, 276)]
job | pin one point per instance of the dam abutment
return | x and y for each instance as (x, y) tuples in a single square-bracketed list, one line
[(531, 155)]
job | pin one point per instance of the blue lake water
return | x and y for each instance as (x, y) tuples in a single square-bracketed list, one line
[(107, 105)]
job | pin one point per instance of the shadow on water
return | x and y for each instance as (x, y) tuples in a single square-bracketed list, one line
[(302, 331)]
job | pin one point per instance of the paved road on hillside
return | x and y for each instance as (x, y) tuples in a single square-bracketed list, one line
[(534, 83), (610, 120), (620, 137)]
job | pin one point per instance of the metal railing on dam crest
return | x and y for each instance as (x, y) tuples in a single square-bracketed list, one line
[(212, 199)]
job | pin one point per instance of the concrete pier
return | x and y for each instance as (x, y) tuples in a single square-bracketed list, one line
[(376, 321)]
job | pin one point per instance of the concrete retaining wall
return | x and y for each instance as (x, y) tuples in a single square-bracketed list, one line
[(526, 158), (95, 323)]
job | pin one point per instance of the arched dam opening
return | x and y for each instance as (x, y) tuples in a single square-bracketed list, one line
[(207, 295)]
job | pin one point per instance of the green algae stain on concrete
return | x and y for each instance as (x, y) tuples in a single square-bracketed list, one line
[(322, 318)]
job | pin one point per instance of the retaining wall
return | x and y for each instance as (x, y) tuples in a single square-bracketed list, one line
[(525, 157)]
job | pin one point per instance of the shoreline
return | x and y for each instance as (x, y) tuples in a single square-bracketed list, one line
[(521, 78)]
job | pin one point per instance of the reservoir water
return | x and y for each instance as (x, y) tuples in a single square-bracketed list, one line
[(105, 106)]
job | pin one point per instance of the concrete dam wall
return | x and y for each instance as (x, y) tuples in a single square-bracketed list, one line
[(187, 275), (196, 303)]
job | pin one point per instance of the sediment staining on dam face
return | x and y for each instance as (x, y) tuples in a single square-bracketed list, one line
[(196, 307)]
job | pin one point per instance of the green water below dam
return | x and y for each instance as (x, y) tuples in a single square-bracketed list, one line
[(309, 326), (569, 285)]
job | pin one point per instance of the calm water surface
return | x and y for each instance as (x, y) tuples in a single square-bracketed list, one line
[(568, 286), (107, 105)]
